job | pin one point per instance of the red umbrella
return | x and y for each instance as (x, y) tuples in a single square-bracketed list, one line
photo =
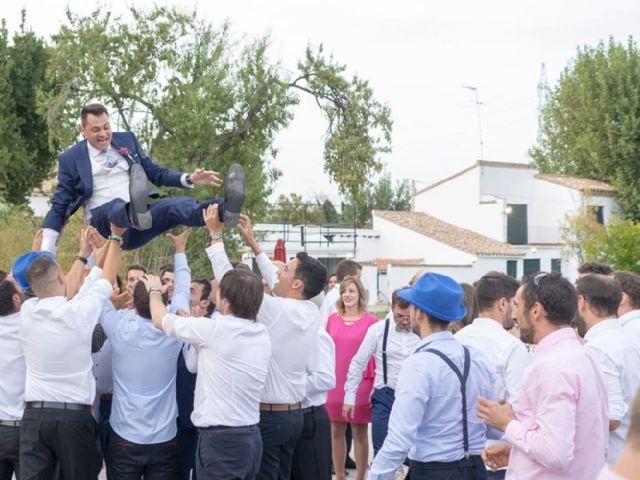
[(280, 251)]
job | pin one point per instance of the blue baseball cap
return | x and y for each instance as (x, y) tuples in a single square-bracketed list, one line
[(21, 265), (436, 294)]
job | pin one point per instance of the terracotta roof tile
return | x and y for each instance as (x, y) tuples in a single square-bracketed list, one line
[(579, 183), (443, 232)]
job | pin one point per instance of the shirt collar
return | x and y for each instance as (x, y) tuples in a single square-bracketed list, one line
[(93, 152), (629, 316), (11, 318), (602, 326), (553, 339), (485, 322), (434, 337)]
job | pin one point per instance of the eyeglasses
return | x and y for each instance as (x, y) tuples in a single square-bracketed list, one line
[(537, 281), (401, 317)]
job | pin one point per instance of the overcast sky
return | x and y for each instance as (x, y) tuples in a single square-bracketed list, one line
[(417, 55)]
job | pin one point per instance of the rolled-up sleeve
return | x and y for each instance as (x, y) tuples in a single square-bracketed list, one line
[(189, 329)]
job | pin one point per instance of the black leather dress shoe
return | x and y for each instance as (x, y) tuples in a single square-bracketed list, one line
[(235, 192), (139, 198)]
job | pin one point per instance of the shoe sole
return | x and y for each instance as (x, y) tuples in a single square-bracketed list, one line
[(235, 193), (138, 198)]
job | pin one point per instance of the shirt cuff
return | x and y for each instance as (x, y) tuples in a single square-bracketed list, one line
[(215, 248), (168, 322), (49, 240), (514, 432), (183, 181)]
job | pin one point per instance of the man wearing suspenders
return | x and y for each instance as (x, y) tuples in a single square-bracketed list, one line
[(391, 342), (434, 419)]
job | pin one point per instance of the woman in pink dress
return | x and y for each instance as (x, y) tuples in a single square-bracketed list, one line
[(348, 327)]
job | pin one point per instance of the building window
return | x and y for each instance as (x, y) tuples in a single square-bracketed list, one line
[(556, 265), (530, 266), (512, 268), (517, 224), (599, 212)]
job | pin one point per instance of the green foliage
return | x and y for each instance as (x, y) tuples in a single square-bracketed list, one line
[(591, 121), (25, 157), (576, 231), (618, 244)]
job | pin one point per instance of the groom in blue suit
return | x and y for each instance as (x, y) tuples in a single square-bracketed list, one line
[(107, 173)]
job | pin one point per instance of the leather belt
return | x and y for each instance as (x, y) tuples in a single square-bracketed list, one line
[(10, 423), (107, 397), (312, 408), (280, 407), (60, 406)]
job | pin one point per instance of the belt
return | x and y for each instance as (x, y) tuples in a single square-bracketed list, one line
[(60, 406), (312, 408), (280, 407), (10, 423), (106, 397)]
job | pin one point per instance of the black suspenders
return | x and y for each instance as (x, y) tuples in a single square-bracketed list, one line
[(463, 389), (384, 350)]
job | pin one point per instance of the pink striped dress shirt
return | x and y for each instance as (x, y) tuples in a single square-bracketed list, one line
[(561, 429)]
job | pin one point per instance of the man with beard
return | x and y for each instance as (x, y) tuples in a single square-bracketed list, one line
[(489, 334), (629, 308), (560, 427), (615, 351), (433, 419), (390, 342)]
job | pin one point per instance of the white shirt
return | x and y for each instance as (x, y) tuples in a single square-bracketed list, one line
[(232, 367), (506, 354), (108, 183), (293, 327), (321, 371), (631, 322), (56, 339), (618, 356), (399, 346), (329, 303), (103, 369), (12, 369)]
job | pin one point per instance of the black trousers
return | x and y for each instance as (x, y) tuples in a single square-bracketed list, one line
[(9, 452), (280, 432), (312, 455), (228, 453), (132, 461), (186, 444), (49, 436), (471, 468)]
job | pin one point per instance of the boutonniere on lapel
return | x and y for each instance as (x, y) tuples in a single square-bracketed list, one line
[(126, 153)]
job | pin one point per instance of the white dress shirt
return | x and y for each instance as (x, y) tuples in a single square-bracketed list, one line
[(293, 327), (631, 322), (108, 183), (232, 367), (507, 355), (56, 339), (618, 356), (399, 346), (321, 371), (103, 369), (329, 303), (12, 369)]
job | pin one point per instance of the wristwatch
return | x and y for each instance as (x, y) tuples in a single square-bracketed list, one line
[(216, 236)]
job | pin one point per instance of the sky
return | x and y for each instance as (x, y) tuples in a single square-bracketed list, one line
[(417, 56)]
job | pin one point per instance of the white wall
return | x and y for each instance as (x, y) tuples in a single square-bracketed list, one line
[(39, 204)]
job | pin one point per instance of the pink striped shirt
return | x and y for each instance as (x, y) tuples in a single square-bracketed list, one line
[(561, 429)]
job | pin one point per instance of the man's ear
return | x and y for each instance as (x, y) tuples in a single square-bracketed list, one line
[(297, 284)]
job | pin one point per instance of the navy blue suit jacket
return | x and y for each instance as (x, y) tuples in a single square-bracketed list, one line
[(75, 180)]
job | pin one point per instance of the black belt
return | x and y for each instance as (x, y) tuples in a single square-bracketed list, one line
[(10, 423), (60, 406), (312, 408)]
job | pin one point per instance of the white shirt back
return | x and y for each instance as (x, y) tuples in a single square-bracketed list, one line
[(321, 371), (12, 369), (56, 340)]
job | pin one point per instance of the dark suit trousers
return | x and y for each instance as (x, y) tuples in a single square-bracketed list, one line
[(186, 444), (312, 455), (132, 461), (9, 452), (165, 214), (280, 432), (49, 436), (471, 468), (228, 453)]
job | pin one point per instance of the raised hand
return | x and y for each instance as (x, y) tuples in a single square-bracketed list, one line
[(85, 246), (201, 176), (246, 228), (120, 299), (152, 281), (96, 240), (179, 241), (211, 219), (119, 231), (36, 244)]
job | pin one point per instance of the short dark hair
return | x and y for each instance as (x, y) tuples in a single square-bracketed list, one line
[(312, 273), (630, 284), (437, 324), (96, 109), (168, 267), (595, 267), (241, 265), (136, 266), (3, 275), (40, 273), (243, 290), (206, 287), (555, 293), (7, 291), (492, 287), (141, 300), (347, 268), (602, 292), (396, 300)]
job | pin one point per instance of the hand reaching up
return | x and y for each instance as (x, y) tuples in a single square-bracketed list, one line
[(179, 241)]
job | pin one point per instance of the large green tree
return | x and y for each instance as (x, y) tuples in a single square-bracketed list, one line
[(591, 121)]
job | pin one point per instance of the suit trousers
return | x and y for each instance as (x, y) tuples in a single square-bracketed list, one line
[(165, 215), (49, 436), (228, 453), (381, 404), (312, 455), (186, 445), (471, 468), (280, 432), (132, 461), (9, 452)]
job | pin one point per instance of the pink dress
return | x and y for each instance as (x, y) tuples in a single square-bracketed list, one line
[(348, 339)]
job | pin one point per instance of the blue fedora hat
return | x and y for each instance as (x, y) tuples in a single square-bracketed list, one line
[(437, 295), (21, 265)]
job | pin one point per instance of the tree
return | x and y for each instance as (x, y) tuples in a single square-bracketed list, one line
[(25, 156), (618, 244), (591, 121), (577, 231)]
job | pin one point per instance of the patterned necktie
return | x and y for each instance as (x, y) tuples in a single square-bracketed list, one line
[(111, 160)]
